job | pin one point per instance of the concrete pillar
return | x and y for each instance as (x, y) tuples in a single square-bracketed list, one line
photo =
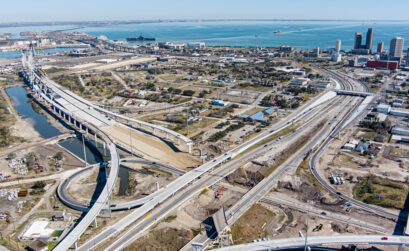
[(95, 222), (157, 185), (86, 130), (80, 126), (153, 130), (95, 138), (178, 141), (75, 246), (189, 146), (54, 108), (167, 135), (400, 247)]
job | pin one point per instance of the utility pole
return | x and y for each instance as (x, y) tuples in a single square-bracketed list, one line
[(130, 139), (306, 229), (187, 122), (85, 153)]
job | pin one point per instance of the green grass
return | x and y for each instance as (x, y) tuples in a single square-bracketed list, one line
[(170, 218), (381, 192), (51, 245), (57, 233)]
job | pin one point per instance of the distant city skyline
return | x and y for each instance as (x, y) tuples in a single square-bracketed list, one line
[(104, 10)]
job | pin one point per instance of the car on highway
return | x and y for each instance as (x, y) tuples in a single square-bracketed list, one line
[(384, 238)]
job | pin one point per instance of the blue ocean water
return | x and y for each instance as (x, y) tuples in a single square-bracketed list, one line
[(17, 54), (300, 34)]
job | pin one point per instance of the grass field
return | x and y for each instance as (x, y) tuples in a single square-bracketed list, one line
[(250, 225), (381, 192)]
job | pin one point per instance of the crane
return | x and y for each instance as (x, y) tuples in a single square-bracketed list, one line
[(219, 192), (243, 171), (130, 92)]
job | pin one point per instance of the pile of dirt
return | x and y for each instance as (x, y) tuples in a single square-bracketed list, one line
[(338, 229), (237, 177)]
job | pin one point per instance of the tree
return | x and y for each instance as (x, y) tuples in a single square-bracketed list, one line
[(58, 156), (188, 93), (38, 185), (11, 156)]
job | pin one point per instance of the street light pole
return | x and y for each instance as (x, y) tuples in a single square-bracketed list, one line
[(306, 229), (85, 153), (130, 138)]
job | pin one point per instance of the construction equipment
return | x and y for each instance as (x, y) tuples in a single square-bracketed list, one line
[(219, 192), (243, 171), (318, 228)]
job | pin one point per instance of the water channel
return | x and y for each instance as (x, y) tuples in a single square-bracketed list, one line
[(94, 153)]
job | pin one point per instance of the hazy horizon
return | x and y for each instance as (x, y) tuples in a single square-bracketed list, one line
[(127, 10)]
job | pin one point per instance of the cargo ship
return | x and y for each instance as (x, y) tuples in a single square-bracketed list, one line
[(140, 38), (277, 32)]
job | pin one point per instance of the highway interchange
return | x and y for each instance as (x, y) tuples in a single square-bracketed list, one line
[(158, 204)]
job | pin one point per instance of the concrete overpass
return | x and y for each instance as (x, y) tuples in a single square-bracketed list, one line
[(354, 93), (313, 241), (87, 124)]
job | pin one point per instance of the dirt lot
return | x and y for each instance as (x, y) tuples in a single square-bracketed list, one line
[(151, 147)]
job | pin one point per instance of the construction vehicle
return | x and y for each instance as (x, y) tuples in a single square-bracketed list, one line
[(318, 228), (219, 192), (243, 171)]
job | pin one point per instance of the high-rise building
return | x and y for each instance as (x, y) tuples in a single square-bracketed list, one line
[(369, 39), (338, 46), (380, 48), (358, 40), (396, 47), (407, 58)]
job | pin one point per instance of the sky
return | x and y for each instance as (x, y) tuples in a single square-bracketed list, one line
[(107, 10)]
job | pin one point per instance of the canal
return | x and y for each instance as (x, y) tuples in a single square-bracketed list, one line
[(94, 153)]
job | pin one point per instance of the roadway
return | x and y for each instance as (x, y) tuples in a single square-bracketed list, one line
[(313, 241), (72, 203), (312, 164), (164, 206), (88, 121)]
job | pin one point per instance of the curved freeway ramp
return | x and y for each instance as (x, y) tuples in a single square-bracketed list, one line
[(68, 201), (37, 83), (283, 244)]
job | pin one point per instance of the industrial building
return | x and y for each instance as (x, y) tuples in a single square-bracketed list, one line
[(391, 65), (219, 102), (400, 130), (300, 82), (399, 112), (383, 108), (259, 116)]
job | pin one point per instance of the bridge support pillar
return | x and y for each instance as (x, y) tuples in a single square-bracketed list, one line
[(105, 151), (400, 247), (95, 138), (153, 131), (189, 146), (157, 185), (167, 135), (75, 246), (86, 130), (80, 126), (95, 222), (178, 141)]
